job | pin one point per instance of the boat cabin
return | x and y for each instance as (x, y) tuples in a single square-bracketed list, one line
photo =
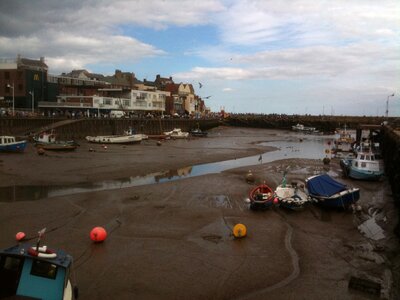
[(366, 161), (4, 140), (24, 273)]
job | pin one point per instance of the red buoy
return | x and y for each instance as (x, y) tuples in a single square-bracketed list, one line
[(98, 234), (20, 236), (276, 200)]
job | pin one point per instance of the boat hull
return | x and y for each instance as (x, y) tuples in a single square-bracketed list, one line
[(340, 200), (16, 147), (290, 197), (350, 171), (115, 139), (261, 197)]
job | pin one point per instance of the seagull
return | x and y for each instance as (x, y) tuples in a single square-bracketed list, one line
[(200, 85), (207, 97)]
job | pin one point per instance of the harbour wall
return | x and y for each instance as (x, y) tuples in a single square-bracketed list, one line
[(80, 128)]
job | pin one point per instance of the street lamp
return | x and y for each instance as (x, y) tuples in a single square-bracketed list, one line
[(12, 87), (32, 93), (387, 105)]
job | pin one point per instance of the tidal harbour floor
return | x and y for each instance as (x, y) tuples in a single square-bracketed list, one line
[(171, 237)]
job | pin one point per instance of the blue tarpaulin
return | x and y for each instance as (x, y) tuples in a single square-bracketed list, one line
[(323, 185)]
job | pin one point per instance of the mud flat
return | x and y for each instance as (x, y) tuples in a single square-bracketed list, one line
[(172, 240)]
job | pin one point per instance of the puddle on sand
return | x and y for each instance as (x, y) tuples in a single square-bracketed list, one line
[(308, 148)]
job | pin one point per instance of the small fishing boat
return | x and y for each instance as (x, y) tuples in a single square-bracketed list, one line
[(129, 137), (327, 192), (48, 141), (343, 143), (177, 133), (198, 132), (290, 196), (261, 197), (364, 167), (10, 144), (36, 272), (302, 128)]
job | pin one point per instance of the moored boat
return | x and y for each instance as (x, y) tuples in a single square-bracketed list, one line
[(364, 167), (290, 196), (261, 197), (129, 137), (302, 128), (34, 272), (10, 144), (327, 192), (48, 141), (198, 132), (177, 133)]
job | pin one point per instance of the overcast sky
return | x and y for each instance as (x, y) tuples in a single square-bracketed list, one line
[(337, 57)]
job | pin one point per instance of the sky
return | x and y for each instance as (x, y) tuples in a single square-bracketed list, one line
[(316, 57)]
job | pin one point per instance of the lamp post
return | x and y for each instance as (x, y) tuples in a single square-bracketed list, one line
[(387, 105), (32, 93), (12, 87)]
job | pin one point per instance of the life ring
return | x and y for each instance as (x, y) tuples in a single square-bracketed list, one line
[(43, 252)]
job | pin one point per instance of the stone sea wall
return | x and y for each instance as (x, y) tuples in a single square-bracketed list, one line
[(78, 129)]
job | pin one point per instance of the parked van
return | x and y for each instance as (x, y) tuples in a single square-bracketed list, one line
[(117, 114)]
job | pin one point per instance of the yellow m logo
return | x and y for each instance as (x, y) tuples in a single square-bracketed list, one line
[(35, 76)]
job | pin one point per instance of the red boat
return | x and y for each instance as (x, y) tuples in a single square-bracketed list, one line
[(261, 197)]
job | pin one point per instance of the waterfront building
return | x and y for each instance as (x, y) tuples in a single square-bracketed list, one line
[(23, 83)]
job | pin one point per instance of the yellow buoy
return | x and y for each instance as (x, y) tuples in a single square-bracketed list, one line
[(239, 231)]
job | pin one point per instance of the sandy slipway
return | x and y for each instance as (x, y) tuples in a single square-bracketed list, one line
[(173, 240)]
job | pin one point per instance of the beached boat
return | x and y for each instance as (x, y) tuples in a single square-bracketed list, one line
[(290, 196), (34, 272), (343, 143), (302, 128), (327, 192), (129, 137), (48, 141), (10, 144), (177, 133), (198, 132), (364, 167), (261, 197)]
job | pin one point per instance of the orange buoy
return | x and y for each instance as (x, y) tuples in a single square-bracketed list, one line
[(239, 231), (20, 236), (98, 234)]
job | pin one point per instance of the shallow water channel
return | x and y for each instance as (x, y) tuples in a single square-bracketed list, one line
[(310, 147)]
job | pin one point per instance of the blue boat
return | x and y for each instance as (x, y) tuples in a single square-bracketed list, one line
[(327, 192), (9, 144), (364, 167), (33, 272)]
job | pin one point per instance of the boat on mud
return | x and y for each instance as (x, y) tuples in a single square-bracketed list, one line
[(327, 192), (177, 133), (10, 144), (129, 137), (198, 132), (36, 272), (291, 196), (364, 167), (48, 141), (305, 129), (261, 197)]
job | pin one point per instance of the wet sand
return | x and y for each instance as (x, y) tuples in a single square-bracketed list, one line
[(173, 240)]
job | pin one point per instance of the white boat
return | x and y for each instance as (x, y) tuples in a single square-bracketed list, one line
[(364, 167), (302, 128), (177, 133), (290, 196), (129, 137)]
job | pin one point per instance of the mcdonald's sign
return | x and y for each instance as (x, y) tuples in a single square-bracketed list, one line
[(36, 77)]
